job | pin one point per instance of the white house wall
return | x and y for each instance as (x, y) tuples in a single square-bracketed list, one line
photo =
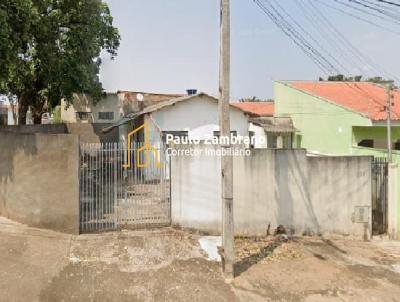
[(259, 132), (198, 116)]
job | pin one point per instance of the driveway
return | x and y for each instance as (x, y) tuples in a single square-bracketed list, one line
[(168, 265)]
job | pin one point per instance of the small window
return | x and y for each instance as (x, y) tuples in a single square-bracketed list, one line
[(272, 140), (3, 120), (287, 141), (397, 145), (83, 116), (106, 115), (251, 135), (233, 133), (369, 143)]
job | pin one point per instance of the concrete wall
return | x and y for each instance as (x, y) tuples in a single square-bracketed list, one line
[(393, 202), (271, 187), (39, 180), (393, 186), (88, 133)]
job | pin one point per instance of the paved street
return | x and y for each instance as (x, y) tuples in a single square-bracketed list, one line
[(168, 265)]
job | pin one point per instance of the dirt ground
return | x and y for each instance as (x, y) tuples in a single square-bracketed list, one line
[(168, 265)]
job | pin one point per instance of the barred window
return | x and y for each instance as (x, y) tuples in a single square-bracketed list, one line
[(217, 133), (106, 115), (83, 116)]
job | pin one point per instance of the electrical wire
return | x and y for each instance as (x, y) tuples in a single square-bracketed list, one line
[(389, 2), (364, 59), (311, 37), (316, 19), (358, 17), (301, 37), (290, 34), (383, 12)]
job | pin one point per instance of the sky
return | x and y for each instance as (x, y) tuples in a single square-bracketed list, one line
[(170, 46)]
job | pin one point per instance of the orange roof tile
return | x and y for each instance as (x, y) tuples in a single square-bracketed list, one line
[(256, 108), (366, 98)]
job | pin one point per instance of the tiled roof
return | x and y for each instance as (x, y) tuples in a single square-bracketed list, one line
[(256, 108), (274, 124), (159, 106), (365, 98)]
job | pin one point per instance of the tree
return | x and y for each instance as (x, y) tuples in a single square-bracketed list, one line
[(254, 99), (50, 49), (342, 78)]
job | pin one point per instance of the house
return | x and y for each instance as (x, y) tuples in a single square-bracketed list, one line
[(338, 118), (111, 108), (348, 118), (191, 116), (276, 132)]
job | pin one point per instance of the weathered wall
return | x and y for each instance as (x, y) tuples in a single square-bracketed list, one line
[(48, 129), (82, 103), (393, 186), (91, 133), (88, 133), (39, 180), (272, 187)]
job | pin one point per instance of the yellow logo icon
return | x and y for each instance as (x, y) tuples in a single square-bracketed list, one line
[(147, 148)]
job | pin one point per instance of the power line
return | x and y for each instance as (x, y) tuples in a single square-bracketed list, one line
[(311, 37), (381, 6), (325, 29), (298, 36), (318, 58), (365, 11), (312, 48), (383, 12), (363, 58), (389, 2), (358, 17), (289, 33)]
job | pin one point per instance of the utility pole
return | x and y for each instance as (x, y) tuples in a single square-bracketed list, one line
[(388, 122), (226, 157)]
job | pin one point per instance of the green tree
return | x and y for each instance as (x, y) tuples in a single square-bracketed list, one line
[(50, 49), (254, 99)]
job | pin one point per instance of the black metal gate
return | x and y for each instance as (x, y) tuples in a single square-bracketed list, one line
[(379, 196)]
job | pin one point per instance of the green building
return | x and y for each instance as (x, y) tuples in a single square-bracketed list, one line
[(340, 118)]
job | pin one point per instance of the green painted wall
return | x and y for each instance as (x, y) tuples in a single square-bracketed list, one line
[(375, 132), (324, 127)]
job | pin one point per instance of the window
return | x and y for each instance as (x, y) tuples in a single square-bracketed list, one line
[(106, 115), (233, 133), (283, 141), (272, 140), (369, 143), (397, 145), (287, 141), (3, 120), (251, 135), (180, 134), (83, 116)]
